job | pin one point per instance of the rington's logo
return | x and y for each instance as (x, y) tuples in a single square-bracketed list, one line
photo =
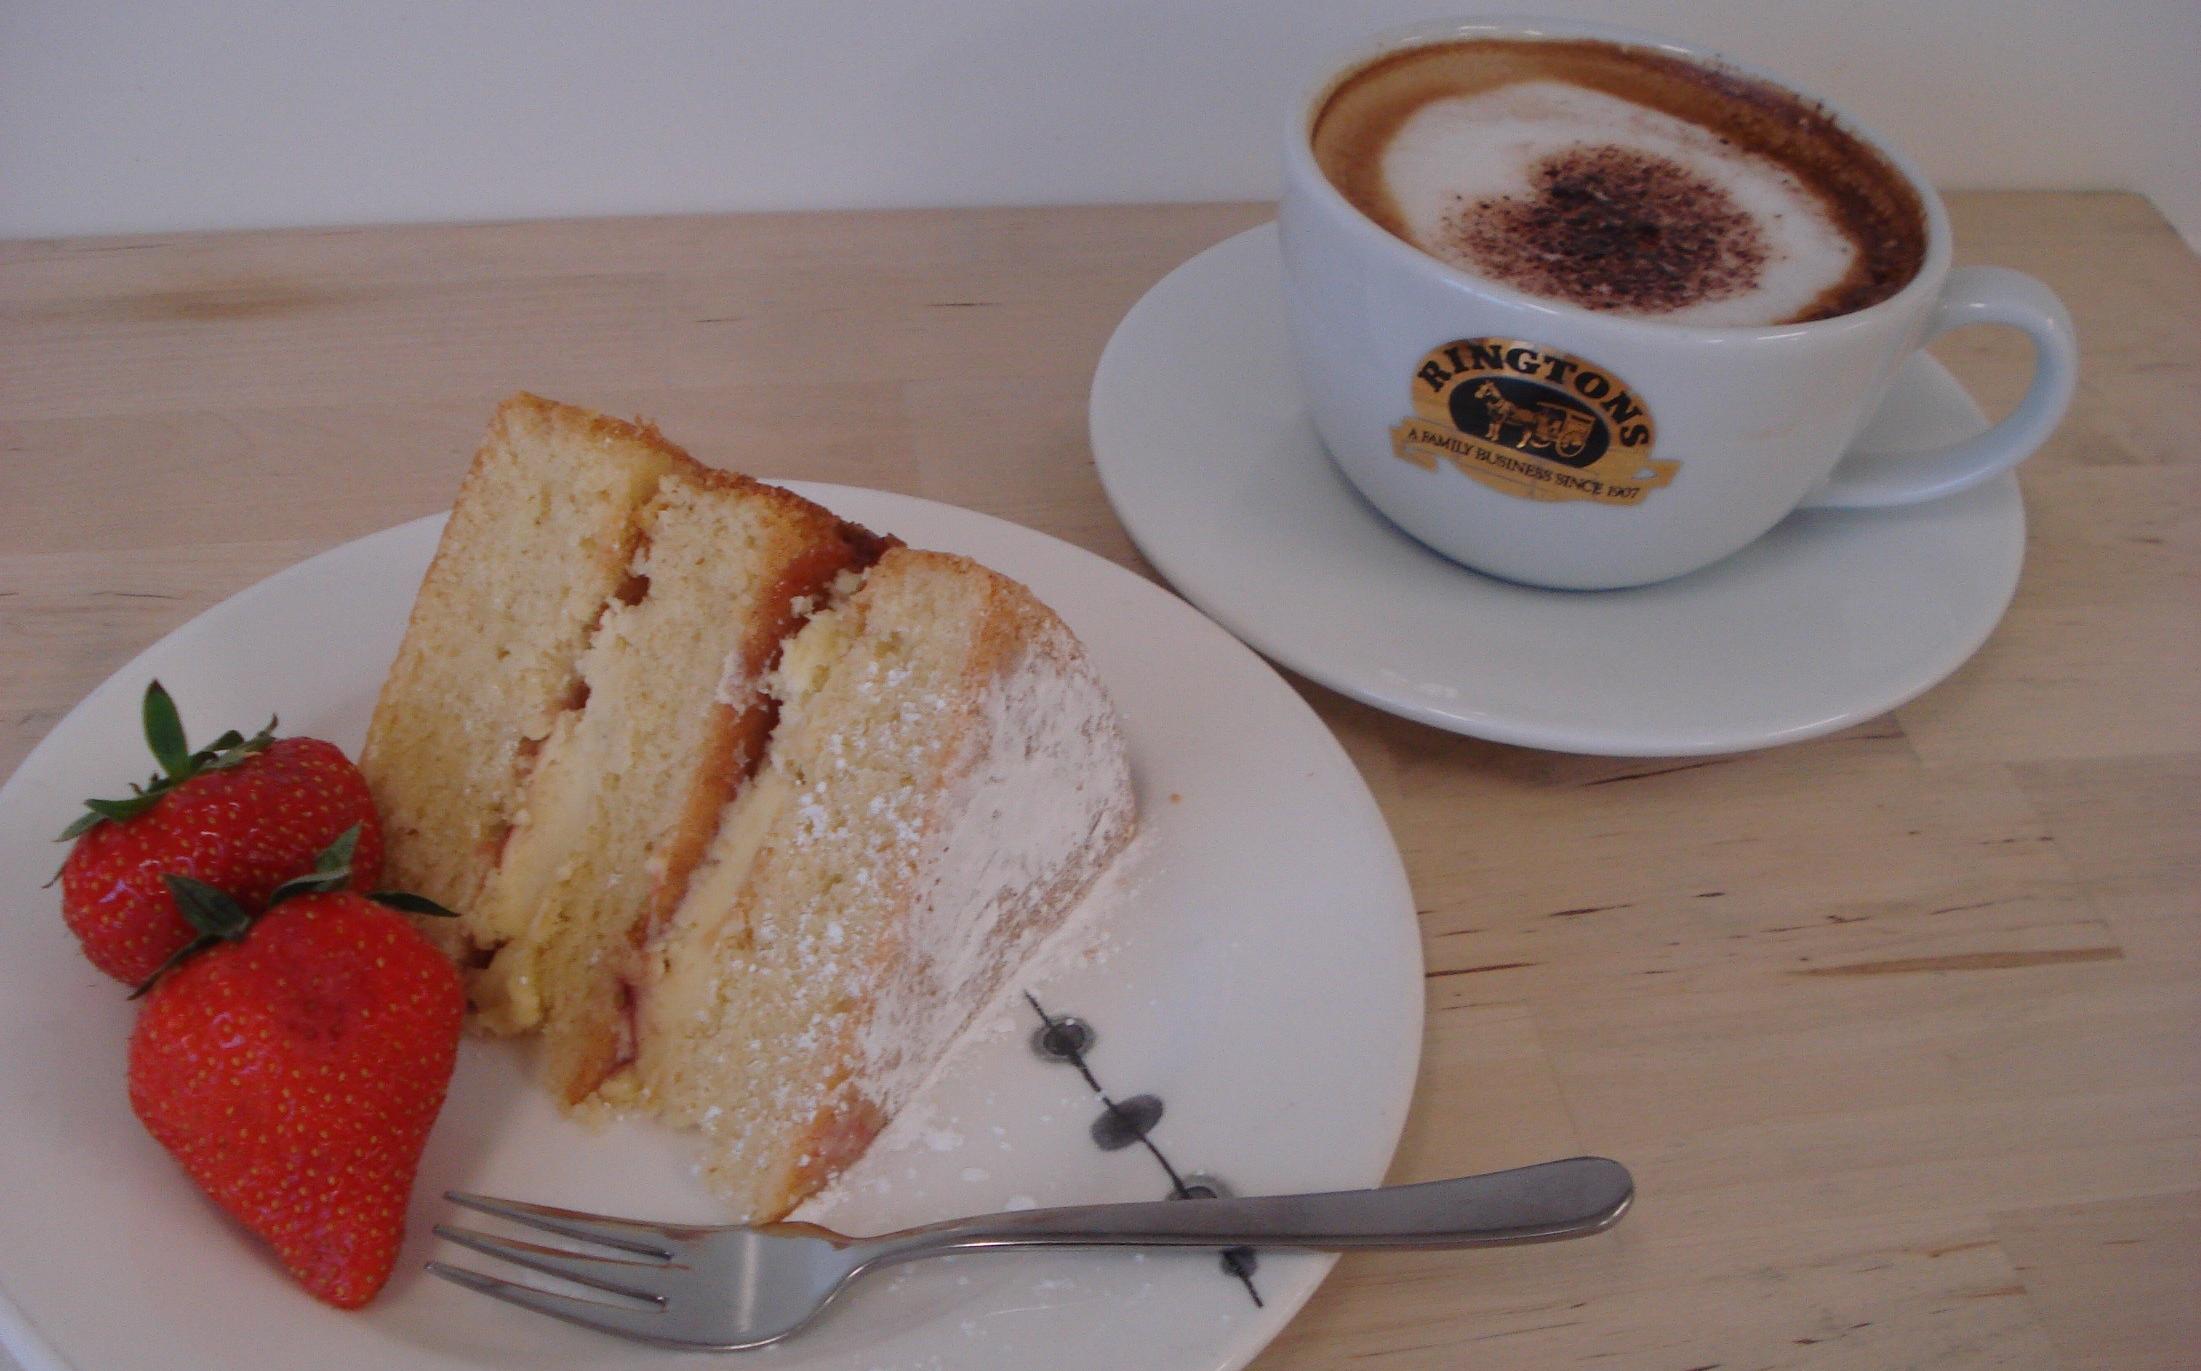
[(1527, 421)]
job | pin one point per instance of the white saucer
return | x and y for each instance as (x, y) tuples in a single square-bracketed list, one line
[(1208, 457)]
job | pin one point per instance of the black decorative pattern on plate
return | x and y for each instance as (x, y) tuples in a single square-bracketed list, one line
[(1127, 1122)]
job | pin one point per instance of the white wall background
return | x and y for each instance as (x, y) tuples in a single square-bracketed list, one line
[(122, 116)]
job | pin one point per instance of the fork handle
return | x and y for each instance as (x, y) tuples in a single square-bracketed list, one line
[(1562, 1199)]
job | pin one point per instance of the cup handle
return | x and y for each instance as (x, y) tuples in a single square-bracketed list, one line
[(1972, 295)]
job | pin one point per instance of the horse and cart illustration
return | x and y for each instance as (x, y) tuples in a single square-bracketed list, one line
[(1557, 428)]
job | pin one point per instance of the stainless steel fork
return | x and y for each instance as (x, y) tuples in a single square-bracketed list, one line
[(730, 1287)]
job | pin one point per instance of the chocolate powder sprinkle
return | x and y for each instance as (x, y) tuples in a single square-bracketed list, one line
[(1613, 228)]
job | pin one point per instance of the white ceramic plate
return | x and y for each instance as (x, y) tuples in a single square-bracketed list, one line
[(1207, 454), (1259, 969)]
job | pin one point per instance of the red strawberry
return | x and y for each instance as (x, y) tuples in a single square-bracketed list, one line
[(243, 815), (295, 1067)]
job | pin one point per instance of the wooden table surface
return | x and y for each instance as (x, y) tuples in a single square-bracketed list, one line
[(1900, 1029)]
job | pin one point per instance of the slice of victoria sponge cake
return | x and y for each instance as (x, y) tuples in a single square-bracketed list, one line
[(747, 810)]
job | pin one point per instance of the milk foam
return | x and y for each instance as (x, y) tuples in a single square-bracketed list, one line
[(1461, 150)]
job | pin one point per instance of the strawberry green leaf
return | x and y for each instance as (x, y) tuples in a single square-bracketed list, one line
[(206, 909), (338, 854), (411, 903), (207, 756), (124, 809), (164, 732), (98, 811), (332, 869), (177, 958), (232, 749), (312, 883)]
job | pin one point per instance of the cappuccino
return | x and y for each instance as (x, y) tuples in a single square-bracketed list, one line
[(1622, 180)]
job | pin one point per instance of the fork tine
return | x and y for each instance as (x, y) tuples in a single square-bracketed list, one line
[(623, 1320), (553, 1261), (625, 1234)]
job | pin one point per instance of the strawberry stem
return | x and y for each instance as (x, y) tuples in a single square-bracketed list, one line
[(164, 737), (175, 959), (332, 868), (216, 916), (219, 918)]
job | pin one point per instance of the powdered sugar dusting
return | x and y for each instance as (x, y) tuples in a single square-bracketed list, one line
[(1033, 816), (901, 853), (1087, 937)]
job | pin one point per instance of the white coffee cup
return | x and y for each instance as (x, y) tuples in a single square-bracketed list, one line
[(1739, 426)]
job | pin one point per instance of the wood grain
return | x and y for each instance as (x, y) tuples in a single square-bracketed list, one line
[(1900, 1029)]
